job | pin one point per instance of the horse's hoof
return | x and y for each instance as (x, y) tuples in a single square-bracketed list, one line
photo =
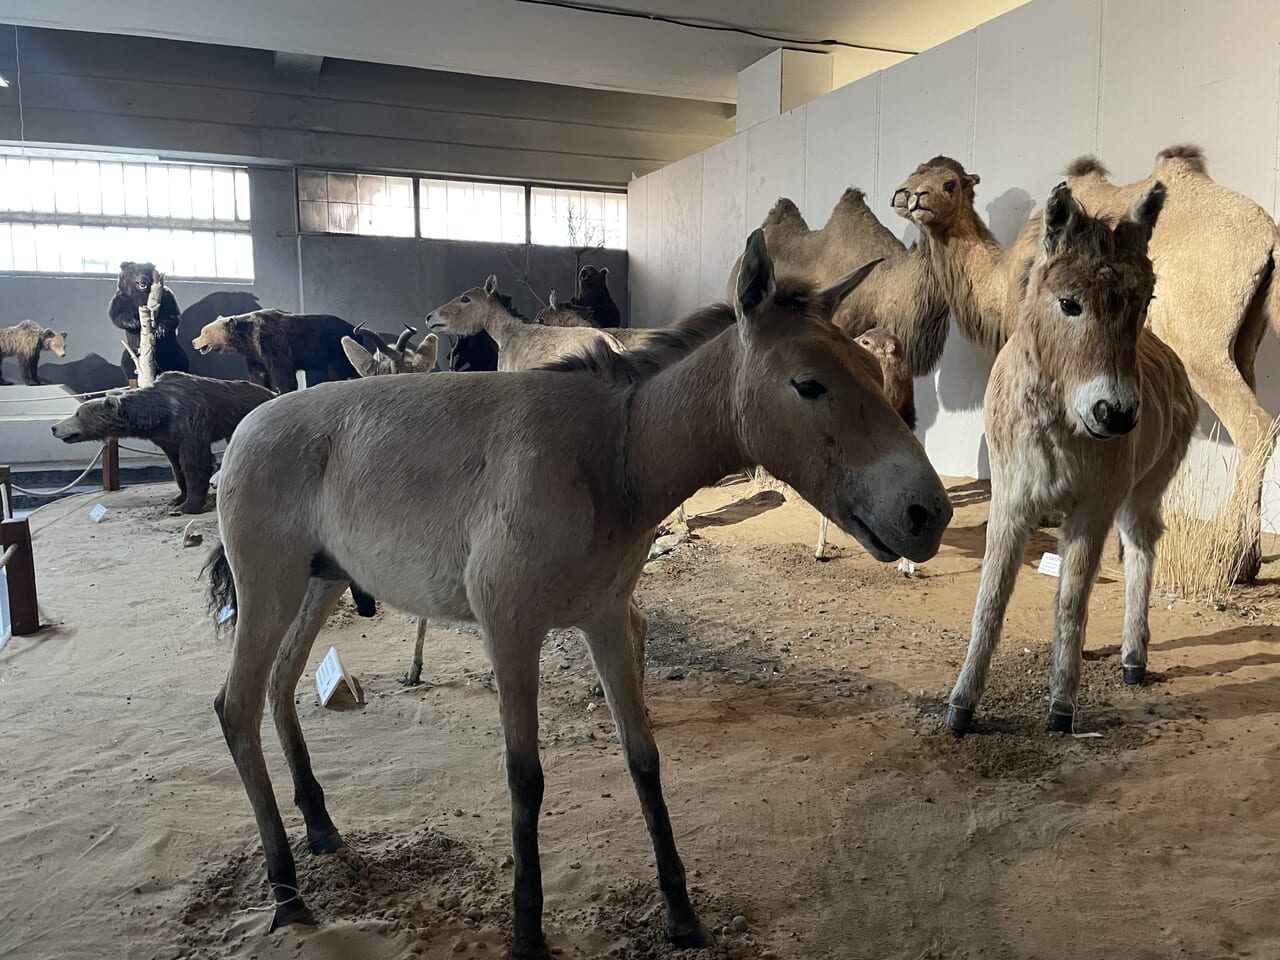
[(411, 680), (295, 911), (689, 938), (1134, 676), (324, 842), (959, 720), (1060, 722), (527, 952)]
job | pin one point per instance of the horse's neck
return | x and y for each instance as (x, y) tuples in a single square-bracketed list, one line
[(681, 434), (502, 326)]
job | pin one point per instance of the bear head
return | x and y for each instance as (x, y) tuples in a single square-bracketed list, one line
[(593, 281), (95, 420), (136, 280), (54, 341), (226, 334)]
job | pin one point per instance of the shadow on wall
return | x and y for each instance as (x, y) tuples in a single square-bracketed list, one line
[(92, 372), (1008, 213)]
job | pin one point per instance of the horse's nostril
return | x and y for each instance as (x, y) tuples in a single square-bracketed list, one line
[(1102, 412), (917, 518)]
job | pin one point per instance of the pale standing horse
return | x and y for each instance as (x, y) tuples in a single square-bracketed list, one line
[(1088, 415), (567, 472)]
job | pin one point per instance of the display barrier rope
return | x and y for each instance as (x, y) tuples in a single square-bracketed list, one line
[(44, 494), (61, 396)]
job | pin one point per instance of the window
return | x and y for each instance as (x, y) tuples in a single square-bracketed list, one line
[(377, 205), (72, 213), (462, 210), (359, 203), (578, 218)]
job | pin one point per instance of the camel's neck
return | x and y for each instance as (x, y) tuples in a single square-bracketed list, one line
[(502, 326), (681, 434), (968, 265)]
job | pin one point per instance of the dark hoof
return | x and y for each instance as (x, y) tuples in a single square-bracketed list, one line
[(689, 938), (539, 952), (294, 911), (411, 680), (959, 720), (328, 841), (1134, 676), (1060, 723)]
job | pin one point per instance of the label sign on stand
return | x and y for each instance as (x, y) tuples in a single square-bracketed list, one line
[(331, 675), (97, 513), (1050, 565)]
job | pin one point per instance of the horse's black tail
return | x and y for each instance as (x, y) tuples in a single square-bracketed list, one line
[(222, 588)]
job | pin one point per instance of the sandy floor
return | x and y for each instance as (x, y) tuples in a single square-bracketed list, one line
[(819, 808)]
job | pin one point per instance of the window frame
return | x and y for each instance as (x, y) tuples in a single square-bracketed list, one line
[(418, 176), (211, 226)]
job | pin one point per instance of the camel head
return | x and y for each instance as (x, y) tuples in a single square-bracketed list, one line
[(471, 311), (935, 193), (811, 411), (1085, 305)]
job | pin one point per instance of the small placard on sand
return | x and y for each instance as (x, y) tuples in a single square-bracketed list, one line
[(97, 513), (1050, 564), (213, 481), (332, 676)]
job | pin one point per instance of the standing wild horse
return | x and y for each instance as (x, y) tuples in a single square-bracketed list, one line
[(575, 466)]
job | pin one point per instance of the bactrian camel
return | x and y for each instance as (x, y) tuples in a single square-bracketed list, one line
[(567, 471), (901, 296), (1088, 414), (1214, 251)]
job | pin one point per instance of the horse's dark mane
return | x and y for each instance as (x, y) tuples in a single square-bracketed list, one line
[(666, 345), (510, 307)]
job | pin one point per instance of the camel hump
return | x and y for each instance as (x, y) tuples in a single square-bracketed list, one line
[(1191, 157), (1086, 165), (852, 195), (784, 211)]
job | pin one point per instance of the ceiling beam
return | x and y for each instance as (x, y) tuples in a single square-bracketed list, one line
[(298, 64)]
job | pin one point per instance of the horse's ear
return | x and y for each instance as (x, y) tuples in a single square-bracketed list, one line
[(491, 284), (1059, 213), (756, 285), (834, 294), (360, 358), (1146, 212), (604, 271)]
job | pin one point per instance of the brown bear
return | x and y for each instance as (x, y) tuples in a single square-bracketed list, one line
[(24, 342), (182, 414), (276, 345), (132, 291), (593, 297), (898, 385)]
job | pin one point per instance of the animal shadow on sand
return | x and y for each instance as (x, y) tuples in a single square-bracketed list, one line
[(739, 510)]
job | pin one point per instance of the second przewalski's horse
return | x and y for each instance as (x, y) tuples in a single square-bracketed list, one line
[(1088, 416), (568, 470)]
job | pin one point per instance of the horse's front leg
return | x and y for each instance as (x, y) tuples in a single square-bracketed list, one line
[(1083, 534)]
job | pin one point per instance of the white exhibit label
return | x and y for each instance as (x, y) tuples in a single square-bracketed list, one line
[(97, 513), (1050, 564), (331, 674)]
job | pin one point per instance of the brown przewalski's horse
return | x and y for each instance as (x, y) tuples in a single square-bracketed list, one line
[(567, 472)]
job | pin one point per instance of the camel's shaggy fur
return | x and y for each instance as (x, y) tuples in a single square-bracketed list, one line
[(901, 296), (566, 473), (1088, 414), (1215, 255)]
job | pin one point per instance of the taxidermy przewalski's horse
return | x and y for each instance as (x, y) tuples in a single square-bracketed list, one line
[(573, 468)]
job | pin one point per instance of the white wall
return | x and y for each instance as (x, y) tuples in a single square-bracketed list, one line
[(1014, 101)]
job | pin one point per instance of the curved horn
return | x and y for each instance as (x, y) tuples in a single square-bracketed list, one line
[(403, 340), (376, 340)]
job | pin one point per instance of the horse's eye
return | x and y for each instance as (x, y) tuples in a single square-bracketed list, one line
[(949, 186), (1070, 307), (809, 389), (464, 299)]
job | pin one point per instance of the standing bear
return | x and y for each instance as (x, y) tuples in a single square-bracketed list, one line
[(182, 414), (594, 298), (24, 342), (132, 291), (276, 345)]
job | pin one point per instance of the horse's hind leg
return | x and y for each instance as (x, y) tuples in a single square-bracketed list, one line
[(414, 676), (320, 599), (611, 651), (262, 619)]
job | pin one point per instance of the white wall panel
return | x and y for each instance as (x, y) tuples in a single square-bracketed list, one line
[(925, 108), (657, 289), (1025, 133), (840, 148), (637, 251), (1203, 73), (775, 163), (682, 236), (724, 214)]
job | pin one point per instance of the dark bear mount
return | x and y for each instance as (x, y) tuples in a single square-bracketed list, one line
[(477, 352), (132, 291)]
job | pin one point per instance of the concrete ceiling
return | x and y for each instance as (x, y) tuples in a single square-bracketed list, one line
[(535, 41)]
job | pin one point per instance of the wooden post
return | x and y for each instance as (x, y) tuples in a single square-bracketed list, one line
[(147, 334), (111, 464), (6, 492), (21, 574)]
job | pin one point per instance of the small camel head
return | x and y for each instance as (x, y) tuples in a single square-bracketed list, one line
[(471, 311), (1085, 306), (810, 408), (933, 195)]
